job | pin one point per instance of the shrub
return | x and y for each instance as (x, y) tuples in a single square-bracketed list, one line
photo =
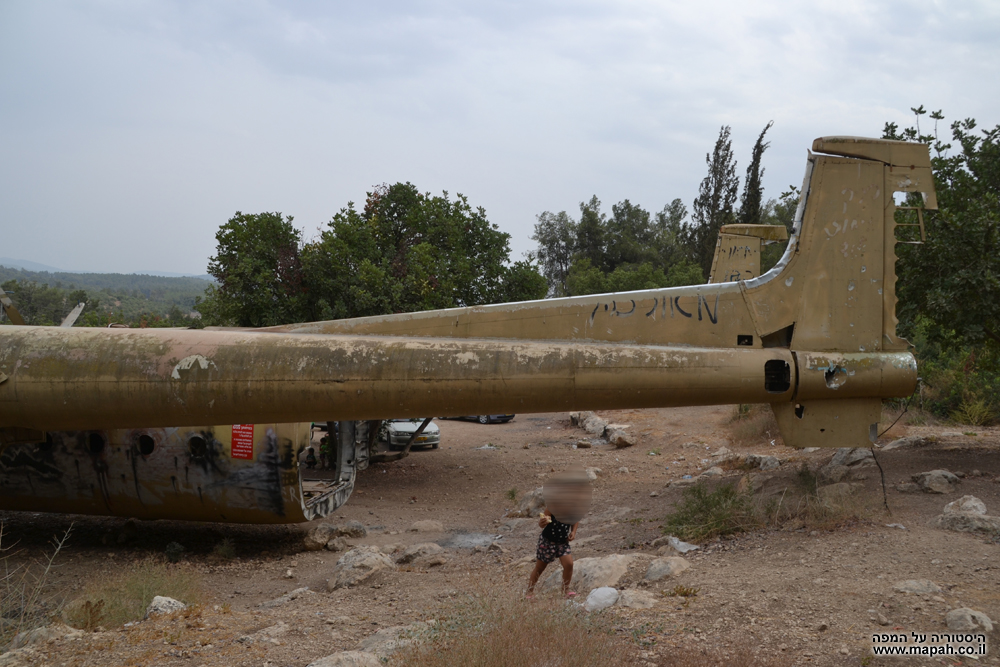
[(501, 629), (702, 514), (753, 424), (114, 598), (24, 604)]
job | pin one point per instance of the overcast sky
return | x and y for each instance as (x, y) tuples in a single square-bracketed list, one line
[(129, 130)]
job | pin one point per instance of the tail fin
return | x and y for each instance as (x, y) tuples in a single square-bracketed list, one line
[(737, 252)]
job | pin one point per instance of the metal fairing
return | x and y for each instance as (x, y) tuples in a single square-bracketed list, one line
[(815, 337)]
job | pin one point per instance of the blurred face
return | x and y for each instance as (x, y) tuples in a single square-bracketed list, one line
[(567, 496)]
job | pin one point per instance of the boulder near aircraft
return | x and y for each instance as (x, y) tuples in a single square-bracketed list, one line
[(113, 421)]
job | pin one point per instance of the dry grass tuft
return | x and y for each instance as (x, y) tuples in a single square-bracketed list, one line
[(501, 629), (753, 425), (116, 597), (24, 601)]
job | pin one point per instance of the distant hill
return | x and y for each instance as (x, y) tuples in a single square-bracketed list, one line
[(132, 295), (28, 265)]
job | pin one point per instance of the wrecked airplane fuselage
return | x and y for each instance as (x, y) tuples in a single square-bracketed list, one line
[(245, 473), (815, 337)]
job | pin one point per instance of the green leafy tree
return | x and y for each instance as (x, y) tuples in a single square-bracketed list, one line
[(591, 233), (410, 251), (556, 235), (714, 205), (259, 272), (751, 205), (953, 280)]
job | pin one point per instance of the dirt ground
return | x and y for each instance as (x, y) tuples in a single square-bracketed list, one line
[(773, 589)]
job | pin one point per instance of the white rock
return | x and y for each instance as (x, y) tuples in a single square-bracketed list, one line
[(675, 544), (966, 505), (348, 659), (917, 587), (623, 469), (634, 598), (601, 598), (722, 452), (427, 526), (589, 573), (421, 550), (936, 481), (661, 568), (164, 605), (592, 473), (968, 620), (357, 565), (714, 471)]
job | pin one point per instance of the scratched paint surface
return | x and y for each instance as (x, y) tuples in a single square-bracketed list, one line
[(157, 474)]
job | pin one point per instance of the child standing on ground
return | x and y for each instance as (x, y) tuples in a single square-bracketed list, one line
[(553, 543)]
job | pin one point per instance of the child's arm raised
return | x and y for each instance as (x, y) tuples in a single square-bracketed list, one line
[(544, 519)]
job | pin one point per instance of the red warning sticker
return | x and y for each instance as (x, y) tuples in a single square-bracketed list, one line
[(242, 447)]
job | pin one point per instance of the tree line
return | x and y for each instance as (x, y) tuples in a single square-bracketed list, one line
[(632, 249), (403, 251)]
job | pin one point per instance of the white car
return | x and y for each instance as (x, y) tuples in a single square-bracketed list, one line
[(399, 431)]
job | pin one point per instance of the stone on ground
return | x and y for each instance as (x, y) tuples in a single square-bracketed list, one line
[(936, 481), (634, 598), (337, 544), (968, 620), (661, 568), (618, 435), (917, 587), (592, 473), (531, 503), (675, 544), (833, 493), (848, 456), (588, 573), (164, 605), (714, 471), (601, 598), (287, 597), (967, 523), (427, 526), (43, 635), (764, 462), (352, 529), (317, 537), (908, 441), (595, 425), (348, 659), (421, 550), (966, 505), (357, 565), (387, 641)]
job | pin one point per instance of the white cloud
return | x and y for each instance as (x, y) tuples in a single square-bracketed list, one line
[(132, 130)]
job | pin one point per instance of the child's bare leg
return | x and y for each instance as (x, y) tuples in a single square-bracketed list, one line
[(567, 564), (537, 572)]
